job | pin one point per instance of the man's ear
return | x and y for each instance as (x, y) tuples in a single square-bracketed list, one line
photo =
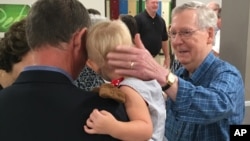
[(79, 37), (83, 42), (79, 42), (211, 35)]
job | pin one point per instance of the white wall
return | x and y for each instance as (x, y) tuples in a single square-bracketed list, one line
[(96, 4)]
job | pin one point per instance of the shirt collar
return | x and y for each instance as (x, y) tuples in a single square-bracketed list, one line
[(48, 68), (199, 72)]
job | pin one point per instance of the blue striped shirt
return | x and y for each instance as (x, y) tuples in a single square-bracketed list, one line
[(207, 102)]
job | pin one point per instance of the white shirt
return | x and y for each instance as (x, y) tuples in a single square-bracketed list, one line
[(216, 46)]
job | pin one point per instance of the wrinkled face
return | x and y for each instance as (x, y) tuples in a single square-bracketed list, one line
[(190, 43), (152, 5)]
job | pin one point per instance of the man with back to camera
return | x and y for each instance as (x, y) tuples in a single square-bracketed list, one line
[(153, 32), (43, 104)]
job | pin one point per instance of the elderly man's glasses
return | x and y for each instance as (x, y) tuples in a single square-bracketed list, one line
[(182, 34)]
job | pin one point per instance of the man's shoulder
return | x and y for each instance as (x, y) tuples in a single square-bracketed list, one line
[(160, 18), (219, 66), (140, 15)]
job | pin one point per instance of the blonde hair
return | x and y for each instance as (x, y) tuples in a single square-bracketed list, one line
[(103, 37)]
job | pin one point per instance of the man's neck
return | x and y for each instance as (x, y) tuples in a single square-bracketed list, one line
[(151, 14)]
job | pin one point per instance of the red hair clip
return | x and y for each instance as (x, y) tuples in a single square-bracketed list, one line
[(116, 82)]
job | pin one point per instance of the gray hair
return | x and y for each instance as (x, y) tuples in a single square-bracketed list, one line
[(55, 21), (206, 17)]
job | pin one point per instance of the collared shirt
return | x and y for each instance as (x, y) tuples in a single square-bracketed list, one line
[(152, 31), (207, 102), (48, 68)]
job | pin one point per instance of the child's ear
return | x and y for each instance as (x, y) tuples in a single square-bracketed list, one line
[(92, 65)]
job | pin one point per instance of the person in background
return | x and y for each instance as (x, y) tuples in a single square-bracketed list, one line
[(216, 46), (206, 95), (214, 6), (141, 96), (88, 79), (153, 32), (95, 16), (130, 22), (14, 53), (43, 103), (217, 9), (94, 11)]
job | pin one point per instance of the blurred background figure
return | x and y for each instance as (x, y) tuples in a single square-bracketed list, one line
[(94, 11), (153, 30), (130, 23), (216, 45), (215, 6), (13, 53)]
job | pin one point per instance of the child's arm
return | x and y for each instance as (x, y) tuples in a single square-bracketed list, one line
[(138, 128)]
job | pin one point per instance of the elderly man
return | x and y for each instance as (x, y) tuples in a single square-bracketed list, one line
[(206, 95)]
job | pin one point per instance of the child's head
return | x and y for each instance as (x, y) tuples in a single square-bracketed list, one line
[(130, 21), (102, 38)]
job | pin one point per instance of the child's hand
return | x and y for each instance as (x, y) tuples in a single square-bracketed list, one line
[(99, 122)]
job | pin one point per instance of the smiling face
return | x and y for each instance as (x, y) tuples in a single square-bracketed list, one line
[(190, 49)]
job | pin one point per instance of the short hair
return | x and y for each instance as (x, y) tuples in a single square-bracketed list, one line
[(103, 37), (206, 17), (130, 21), (94, 11), (13, 46), (54, 21), (96, 18)]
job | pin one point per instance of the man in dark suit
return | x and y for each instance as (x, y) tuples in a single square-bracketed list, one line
[(43, 104)]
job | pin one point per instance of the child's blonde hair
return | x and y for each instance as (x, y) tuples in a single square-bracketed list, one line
[(103, 37)]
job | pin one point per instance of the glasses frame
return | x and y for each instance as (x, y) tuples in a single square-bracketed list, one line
[(182, 34)]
